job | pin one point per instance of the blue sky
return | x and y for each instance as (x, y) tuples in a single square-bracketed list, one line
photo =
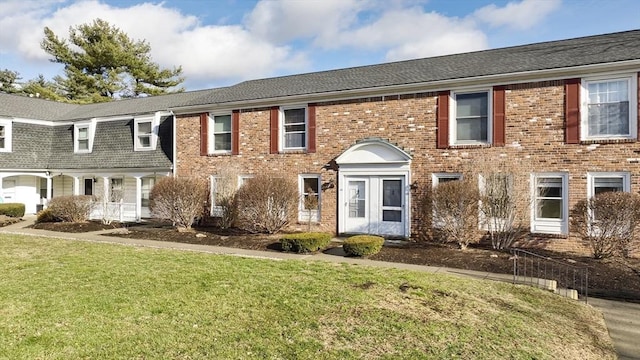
[(221, 42)]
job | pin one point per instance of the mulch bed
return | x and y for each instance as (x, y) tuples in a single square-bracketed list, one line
[(617, 278), (76, 227)]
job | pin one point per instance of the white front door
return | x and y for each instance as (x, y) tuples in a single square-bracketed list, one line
[(9, 191), (375, 205), (392, 209), (357, 208)]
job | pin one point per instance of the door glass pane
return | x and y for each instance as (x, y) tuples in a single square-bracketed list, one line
[(392, 193), (392, 215), (88, 186), (357, 198)]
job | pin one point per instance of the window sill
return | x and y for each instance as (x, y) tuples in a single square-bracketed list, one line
[(539, 235), (608, 141), (470, 146), (220, 154), (293, 151)]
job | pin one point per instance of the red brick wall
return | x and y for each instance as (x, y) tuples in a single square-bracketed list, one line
[(534, 131)]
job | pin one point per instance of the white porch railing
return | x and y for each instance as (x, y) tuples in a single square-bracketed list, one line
[(114, 211)]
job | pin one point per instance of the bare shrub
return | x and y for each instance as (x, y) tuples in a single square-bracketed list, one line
[(504, 201), (109, 211), (267, 204), (71, 208), (455, 212), (607, 222), (224, 198), (179, 200)]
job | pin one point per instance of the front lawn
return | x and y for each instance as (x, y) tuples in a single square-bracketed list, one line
[(68, 299)]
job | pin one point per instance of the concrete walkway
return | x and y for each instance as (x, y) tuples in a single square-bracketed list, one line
[(622, 318)]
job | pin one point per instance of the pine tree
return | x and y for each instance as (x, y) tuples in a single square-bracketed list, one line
[(107, 65)]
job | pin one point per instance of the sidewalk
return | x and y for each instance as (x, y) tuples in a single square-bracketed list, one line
[(622, 318)]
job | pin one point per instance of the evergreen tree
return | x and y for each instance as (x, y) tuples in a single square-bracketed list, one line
[(9, 81), (102, 63)]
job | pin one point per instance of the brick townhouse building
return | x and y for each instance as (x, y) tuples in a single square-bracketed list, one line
[(372, 140)]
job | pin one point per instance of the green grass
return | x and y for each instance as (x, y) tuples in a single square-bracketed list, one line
[(69, 300)]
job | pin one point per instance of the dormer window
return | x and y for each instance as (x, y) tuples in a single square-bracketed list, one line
[(145, 130), (5, 135), (83, 137), (144, 134)]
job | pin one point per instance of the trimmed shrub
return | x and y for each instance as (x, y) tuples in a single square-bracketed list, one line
[(305, 242), (455, 212), (45, 216), (267, 203), (179, 200), (363, 245), (608, 223), (12, 209), (72, 208)]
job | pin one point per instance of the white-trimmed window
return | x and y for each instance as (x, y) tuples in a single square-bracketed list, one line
[(309, 188), (145, 132), (116, 190), (440, 178), (216, 210), (471, 114), (243, 178), (600, 182), (82, 139), (5, 135), (550, 203), (609, 107), (220, 133), (294, 128), (437, 179), (147, 183)]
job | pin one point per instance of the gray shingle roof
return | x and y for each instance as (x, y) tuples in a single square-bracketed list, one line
[(590, 50), (33, 108)]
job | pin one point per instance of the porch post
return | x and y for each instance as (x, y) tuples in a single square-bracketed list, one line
[(138, 198), (49, 188), (105, 189), (76, 185), (2, 188)]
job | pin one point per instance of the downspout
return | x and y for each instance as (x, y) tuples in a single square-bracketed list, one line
[(174, 165)]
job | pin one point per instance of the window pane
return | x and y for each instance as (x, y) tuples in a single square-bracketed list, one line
[(292, 116), (472, 105), (311, 184), (83, 144), (1, 131), (82, 133), (1, 143), (144, 128), (608, 108), (357, 196), (144, 141), (222, 123), (294, 128), (392, 193), (602, 184), (474, 129), (222, 141), (550, 208), (294, 140)]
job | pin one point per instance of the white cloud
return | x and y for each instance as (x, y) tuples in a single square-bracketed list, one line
[(216, 53), (282, 21), (518, 15), (411, 33)]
